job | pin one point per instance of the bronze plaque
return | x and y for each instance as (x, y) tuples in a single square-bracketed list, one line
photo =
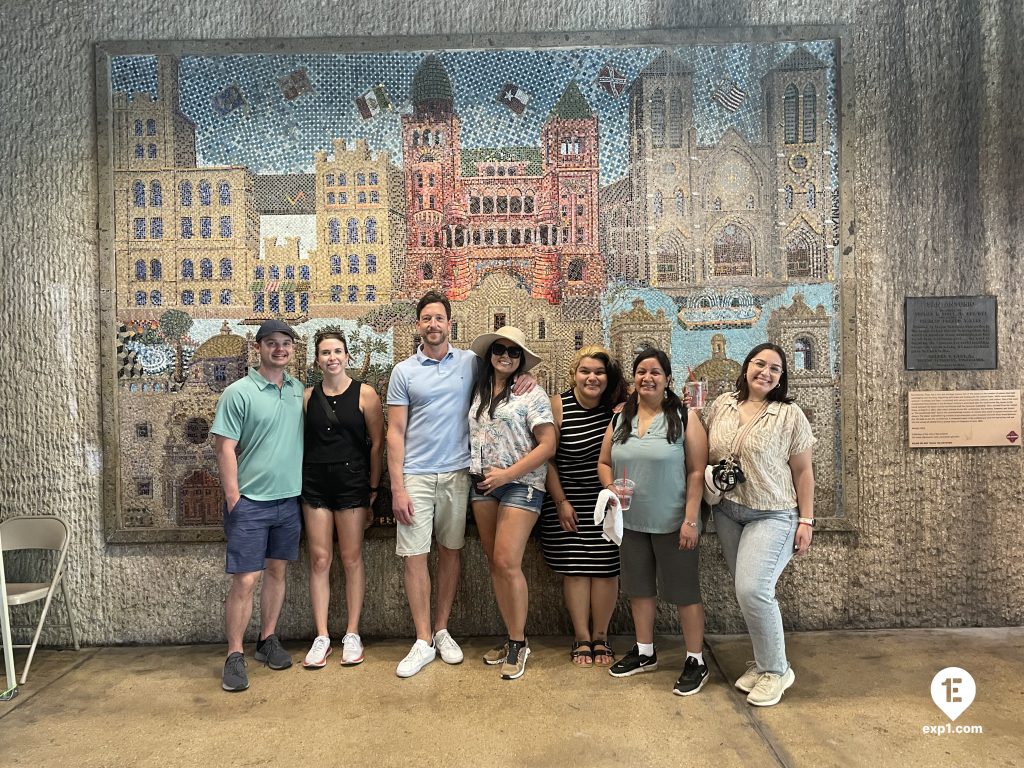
[(945, 333)]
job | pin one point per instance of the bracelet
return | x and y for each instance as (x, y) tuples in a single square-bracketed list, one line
[(810, 521), (610, 485), (561, 501), (687, 522)]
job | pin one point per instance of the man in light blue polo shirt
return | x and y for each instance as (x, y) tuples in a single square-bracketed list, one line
[(258, 436), (428, 463)]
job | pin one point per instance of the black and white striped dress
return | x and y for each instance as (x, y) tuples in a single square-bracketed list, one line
[(583, 552)]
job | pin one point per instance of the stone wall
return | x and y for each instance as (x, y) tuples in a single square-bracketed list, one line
[(937, 121)]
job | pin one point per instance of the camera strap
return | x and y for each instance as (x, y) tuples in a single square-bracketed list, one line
[(741, 435)]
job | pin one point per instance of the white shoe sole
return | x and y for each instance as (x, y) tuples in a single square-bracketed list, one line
[(410, 673), (521, 671), (646, 668), (317, 664), (695, 690)]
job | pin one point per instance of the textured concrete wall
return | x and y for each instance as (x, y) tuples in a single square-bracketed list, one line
[(939, 190)]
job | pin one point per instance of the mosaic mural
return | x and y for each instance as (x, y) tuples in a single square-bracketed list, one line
[(681, 196)]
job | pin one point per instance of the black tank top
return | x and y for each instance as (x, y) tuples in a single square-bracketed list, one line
[(341, 440)]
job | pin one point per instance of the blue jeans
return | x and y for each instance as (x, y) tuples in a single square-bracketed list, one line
[(757, 545)]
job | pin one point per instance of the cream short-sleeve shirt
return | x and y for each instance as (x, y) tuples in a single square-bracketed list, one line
[(764, 456)]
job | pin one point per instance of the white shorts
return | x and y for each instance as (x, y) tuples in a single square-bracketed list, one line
[(439, 504)]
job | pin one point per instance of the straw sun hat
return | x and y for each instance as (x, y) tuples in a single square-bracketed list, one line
[(482, 344)]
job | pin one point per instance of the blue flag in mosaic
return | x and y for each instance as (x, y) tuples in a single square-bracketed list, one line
[(729, 95)]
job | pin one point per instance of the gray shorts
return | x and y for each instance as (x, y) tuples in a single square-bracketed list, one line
[(652, 564), (439, 505)]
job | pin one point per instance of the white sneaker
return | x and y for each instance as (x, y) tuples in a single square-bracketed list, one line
[(770, 687), (748, 679), (351, 650), (317, 656), (447, 648), (418, 657)]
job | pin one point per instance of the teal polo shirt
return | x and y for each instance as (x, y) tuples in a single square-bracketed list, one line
[(267, 423)]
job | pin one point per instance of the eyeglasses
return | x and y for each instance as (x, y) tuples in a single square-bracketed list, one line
[(761, 365), (498, 350)]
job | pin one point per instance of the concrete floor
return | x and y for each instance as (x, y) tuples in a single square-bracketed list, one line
[(860, 699)]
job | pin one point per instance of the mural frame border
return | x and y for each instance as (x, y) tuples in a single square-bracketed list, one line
[(848, 476)]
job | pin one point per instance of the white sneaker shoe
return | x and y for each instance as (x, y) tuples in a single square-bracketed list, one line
[(418, 657), (317, 656), (447, 648), (748, 679), (770, 687), (351, 650)]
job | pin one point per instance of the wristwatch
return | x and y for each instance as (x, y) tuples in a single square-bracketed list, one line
[(807, 521)]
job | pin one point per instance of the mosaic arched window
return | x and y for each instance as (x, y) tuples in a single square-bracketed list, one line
[(336, 293), (656, 205), (352, 227), (156, 194), (225, 226), (353, 264), (225, 269), (257, 302), (140, 298), (140, 270), (224, 193), (156, 298), (206, 269), (342, 180), (205, 296), (258, 273), (426, 272), (353, 293), (810, 114), (732, 252), (151, 127), (187, 269), (289, 303), (186, 194), (329, 180), (575, 272), (680, 203), (360, 179), (140, 152), (138, 127), (289, 272), (156, 270), (334, 231), (188, 298), (186, 227), (156, 228), (304, 272), (275, 272), (789, 113), (151, 151), (803, 354), (225, 296), (658, 119), (373, 179), (335, 264), (788, 196), (371, 263), (303, 303), (204, 192), (139, 194), (812, 200), (528, 203), (798, 257), (275, 302), (675, 119), (371, 293)]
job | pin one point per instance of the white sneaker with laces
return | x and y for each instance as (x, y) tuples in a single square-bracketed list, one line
[(770, 687), (318, 653), (748, 679), (418, 657), (447, 648), (351, 650)]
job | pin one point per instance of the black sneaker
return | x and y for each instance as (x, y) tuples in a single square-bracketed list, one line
[(269, 651), (692, 679), (634, 663), (235, 677)]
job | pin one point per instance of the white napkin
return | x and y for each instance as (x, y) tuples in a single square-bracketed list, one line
[(608, 510)]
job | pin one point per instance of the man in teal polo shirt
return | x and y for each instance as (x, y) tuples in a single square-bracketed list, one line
[(258, 433)]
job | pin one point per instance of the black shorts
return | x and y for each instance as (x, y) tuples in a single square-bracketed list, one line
[(336, 486)]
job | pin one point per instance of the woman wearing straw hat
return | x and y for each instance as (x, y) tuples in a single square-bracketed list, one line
[(511, 439), (654, 444)]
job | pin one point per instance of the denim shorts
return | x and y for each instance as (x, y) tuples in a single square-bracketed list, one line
[(519, 495), (257, 530)]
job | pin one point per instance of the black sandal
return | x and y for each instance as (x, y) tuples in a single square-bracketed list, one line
[(582, 649), (607, 652)]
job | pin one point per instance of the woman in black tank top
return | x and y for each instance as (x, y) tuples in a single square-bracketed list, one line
[(341, 467)]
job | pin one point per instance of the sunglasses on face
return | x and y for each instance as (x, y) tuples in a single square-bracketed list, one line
[(498, 350)]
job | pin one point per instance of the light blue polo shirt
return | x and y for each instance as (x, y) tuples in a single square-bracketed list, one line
[(437, 394), (267, 423)]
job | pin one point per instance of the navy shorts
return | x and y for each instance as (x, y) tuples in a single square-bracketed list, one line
[(257, 530)]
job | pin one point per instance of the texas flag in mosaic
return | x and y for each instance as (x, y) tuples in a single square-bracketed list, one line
[(372, 102), (611, 80), (514, 97)]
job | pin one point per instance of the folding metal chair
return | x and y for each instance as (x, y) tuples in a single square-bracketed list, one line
[(38, 532)]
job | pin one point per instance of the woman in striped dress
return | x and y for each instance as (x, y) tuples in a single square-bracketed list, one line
[(571, 542)]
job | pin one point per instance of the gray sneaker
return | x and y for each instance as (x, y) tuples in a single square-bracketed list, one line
[(748, 679), (496, 655), (235, 677), (770, 687), (270, 652), (515, 662)]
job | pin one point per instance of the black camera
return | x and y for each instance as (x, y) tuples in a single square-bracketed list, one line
[(726, 474)]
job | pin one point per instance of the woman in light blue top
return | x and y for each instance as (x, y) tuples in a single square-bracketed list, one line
[(511, 438), (654, 444)]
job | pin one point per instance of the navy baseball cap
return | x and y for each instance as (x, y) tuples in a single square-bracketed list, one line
[(274, 326)]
